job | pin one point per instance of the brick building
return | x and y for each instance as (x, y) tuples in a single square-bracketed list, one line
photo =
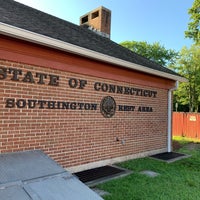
[(75, 94)]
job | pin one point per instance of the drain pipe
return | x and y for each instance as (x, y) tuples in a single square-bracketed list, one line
[(169, 142)]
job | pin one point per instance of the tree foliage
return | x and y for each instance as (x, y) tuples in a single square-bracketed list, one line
[(193, 30), (188, 65), (155, 52)]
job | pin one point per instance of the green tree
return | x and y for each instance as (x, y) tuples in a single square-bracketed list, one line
[(155, 52), (188, 65), (193, 30)]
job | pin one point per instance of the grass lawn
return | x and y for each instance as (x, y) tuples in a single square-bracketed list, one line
[(179, 180)]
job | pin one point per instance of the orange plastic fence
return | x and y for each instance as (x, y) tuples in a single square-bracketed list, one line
[(186, 124)]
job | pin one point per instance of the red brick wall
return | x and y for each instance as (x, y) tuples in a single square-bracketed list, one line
[(76, 137)]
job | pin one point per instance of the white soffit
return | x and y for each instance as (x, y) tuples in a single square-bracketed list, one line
[(19, 33)]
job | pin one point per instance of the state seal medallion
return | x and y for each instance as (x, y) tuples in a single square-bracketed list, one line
[(108, 106)]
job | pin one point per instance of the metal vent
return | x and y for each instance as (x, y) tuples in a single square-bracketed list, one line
[(169, 156), (101, 174)]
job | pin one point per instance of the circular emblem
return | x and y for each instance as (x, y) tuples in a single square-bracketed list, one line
[(108, 106)]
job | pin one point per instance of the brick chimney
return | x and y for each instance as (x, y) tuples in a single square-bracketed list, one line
[(98, 20)]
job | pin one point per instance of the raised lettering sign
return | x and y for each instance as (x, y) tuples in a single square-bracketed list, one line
[(108, 106)]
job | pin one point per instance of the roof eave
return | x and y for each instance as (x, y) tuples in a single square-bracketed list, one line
[(26, 35)]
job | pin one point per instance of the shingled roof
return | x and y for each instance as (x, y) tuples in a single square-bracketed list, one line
[(21, 16)]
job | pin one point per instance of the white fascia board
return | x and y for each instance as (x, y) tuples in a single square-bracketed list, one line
[(22, 34)]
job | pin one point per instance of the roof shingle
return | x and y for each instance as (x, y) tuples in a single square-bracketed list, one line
[(24, 17)]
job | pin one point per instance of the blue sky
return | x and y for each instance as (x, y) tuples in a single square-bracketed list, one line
[(161, 21)]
